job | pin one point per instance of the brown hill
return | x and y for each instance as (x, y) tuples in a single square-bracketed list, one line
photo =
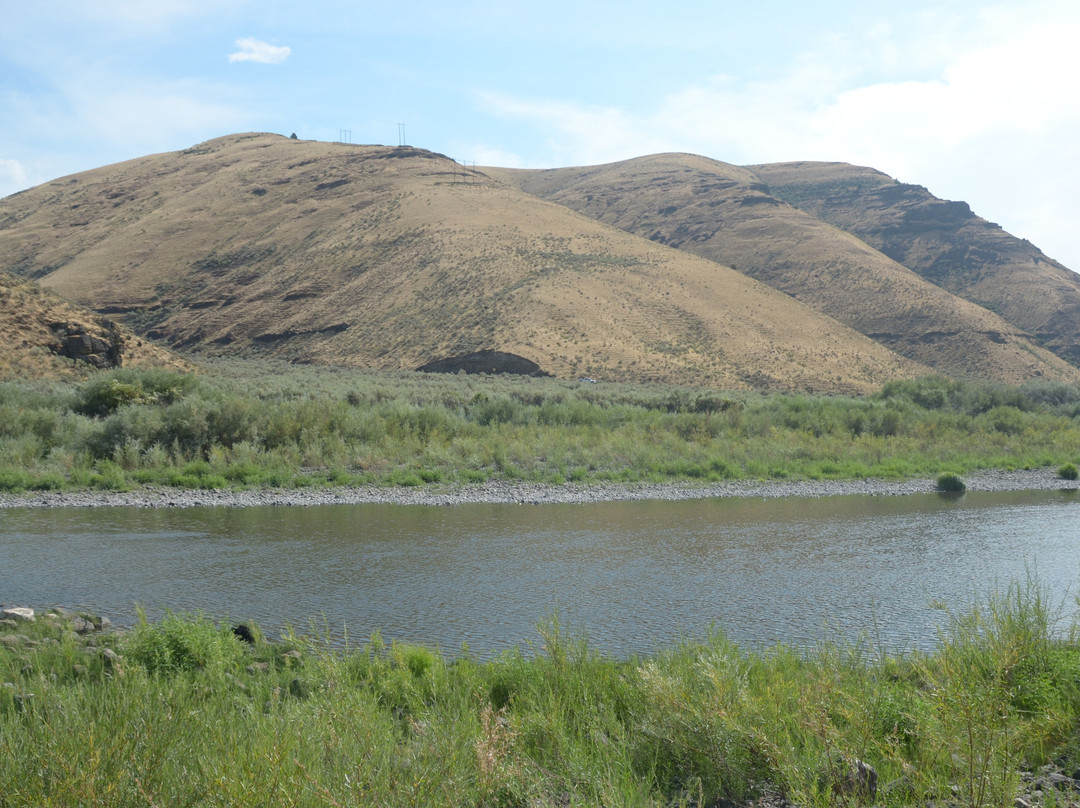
[(726, 214), (396, 257), (48, 337), (943, 242)]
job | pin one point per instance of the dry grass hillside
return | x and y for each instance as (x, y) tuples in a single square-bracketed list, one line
[(371, 256), (36, 324), (727, 214), (943, 242)]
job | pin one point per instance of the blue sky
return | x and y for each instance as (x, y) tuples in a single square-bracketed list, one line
[(976, 101)]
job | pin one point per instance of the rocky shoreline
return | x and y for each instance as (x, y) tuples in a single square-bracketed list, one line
[(530, 493)]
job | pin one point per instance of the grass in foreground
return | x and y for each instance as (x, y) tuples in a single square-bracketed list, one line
[(254, 425), (190, 715)]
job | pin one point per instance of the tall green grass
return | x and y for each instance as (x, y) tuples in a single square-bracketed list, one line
[(189, 715), (253, 424)]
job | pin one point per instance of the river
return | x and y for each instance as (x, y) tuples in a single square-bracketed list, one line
[(632, 577)]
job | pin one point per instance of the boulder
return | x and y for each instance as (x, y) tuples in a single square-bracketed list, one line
[(17, 613), (81, 626), (859, 781)]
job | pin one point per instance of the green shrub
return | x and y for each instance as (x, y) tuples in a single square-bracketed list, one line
[(179, 643), (497, 411), (49, 481), (1007, 420), (105, 394), (14, 480), (952, 483), (109, 477), (931, 393), (404, 478), (1068, 472)]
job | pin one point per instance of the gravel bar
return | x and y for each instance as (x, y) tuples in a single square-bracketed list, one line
[(528, 493)]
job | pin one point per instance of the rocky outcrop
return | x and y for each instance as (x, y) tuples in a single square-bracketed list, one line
[(943, 241), (102, 347), (485, 362), (45, 336)]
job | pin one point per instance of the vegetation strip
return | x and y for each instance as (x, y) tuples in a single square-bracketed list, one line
[(184, 711), (246, 426)]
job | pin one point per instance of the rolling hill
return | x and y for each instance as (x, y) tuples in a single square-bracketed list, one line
[(372, 256), (671, 268), (728, 215), (944, 242)]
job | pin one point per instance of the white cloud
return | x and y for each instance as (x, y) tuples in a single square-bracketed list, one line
[(255, 50), (993, 123), (579, 134)]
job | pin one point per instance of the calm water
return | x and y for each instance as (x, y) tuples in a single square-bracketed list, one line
[(633, 576)]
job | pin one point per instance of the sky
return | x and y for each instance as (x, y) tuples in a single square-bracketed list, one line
[(973, 100)]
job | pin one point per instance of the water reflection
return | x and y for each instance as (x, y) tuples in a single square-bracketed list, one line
[(634, 576)]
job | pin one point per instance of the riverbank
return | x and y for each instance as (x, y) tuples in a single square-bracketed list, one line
[(302, 436), (183, 711), (499, 492)]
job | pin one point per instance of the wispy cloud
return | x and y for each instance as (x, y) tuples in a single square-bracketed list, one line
[(110, 118), (993, 123), (255, 50), (139, 112), (581, 134)]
